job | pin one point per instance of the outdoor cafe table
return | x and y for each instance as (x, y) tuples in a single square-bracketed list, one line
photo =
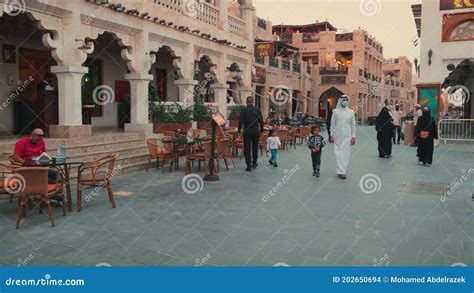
[(176, 142), (64, 167)]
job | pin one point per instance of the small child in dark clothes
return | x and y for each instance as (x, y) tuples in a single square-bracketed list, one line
[(316, 143)]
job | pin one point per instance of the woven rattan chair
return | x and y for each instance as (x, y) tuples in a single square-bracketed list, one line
[(98, 174)]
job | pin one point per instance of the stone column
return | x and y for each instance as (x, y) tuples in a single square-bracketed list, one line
[(265, 102), (247, 11), (186, 91), (220, 96), (223, 22), (70, 103), (139, 120), (244, 93)]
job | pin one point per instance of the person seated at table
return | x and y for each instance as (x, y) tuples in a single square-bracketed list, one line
[(31, 147), (269, 122)]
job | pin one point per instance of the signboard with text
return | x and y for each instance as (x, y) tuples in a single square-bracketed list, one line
[(455, 4), (333, 79), (264, 50)]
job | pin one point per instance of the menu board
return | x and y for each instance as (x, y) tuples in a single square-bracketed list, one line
[(219, 119)]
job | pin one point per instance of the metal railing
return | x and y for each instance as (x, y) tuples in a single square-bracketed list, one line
[(456, 130)]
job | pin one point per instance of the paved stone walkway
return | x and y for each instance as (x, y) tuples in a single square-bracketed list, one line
[(388, 212)]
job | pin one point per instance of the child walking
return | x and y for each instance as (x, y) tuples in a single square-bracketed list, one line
[(316, 143), (273, 144)]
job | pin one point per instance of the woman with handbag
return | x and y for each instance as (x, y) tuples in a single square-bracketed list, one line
[(426, 132)]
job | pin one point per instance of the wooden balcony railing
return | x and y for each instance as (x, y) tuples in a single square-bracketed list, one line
[(333, 70)]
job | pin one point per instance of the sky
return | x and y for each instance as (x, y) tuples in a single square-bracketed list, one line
[(391, 22)]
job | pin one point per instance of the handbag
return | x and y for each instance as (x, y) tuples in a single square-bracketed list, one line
[(424, 134)]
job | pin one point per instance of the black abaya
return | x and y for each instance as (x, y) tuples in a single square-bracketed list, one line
[(384, 127), (426, 145)]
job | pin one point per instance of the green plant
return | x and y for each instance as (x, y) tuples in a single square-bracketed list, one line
[(183, 115), (201, 113), (161, 114), (235, 112)]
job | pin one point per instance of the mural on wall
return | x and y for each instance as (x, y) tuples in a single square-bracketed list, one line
[(455, 4), (429, 97)]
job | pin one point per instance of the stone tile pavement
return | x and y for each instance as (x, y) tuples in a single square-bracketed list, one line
[(372, 218)]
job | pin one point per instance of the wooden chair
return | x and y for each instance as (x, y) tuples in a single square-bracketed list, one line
[(161, 151), (98, 174), (283, 135), (221, 152), (291, 138), (33, 186), (262, 143), (203, 156), (303, 134)]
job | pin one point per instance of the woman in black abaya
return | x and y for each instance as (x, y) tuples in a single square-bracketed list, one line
[(426, 132), (384, 127)]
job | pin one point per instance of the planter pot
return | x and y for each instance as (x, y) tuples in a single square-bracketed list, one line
[(204, 124), (234, 123), (161, 127)]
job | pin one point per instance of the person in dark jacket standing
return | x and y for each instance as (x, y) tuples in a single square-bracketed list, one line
[(251, 120)]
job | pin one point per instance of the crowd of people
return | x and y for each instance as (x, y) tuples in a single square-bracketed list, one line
[(341, 126)]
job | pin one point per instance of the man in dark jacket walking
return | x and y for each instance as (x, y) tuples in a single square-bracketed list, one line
[(251, 120)]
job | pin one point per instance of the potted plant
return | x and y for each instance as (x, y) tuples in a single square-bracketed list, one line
[(165, 120), (234, 115), (201, 114)]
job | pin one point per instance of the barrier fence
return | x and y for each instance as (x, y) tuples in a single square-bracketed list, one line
[(456, 130)]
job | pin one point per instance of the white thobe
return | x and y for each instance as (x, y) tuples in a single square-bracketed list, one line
[(343, 129)]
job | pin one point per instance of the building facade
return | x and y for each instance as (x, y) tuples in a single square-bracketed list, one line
[(348, 63), (281, 80), (398, 89), (445, 28), (104, 53)]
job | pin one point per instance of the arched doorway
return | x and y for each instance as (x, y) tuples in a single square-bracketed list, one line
[(327, 100), (25, 62), (205, 76), (460, 83), (165, 73)]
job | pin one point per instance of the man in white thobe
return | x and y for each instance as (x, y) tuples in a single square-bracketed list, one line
[(343, 134)]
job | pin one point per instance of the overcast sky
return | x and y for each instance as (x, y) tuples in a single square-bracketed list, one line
[(391, 22)]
